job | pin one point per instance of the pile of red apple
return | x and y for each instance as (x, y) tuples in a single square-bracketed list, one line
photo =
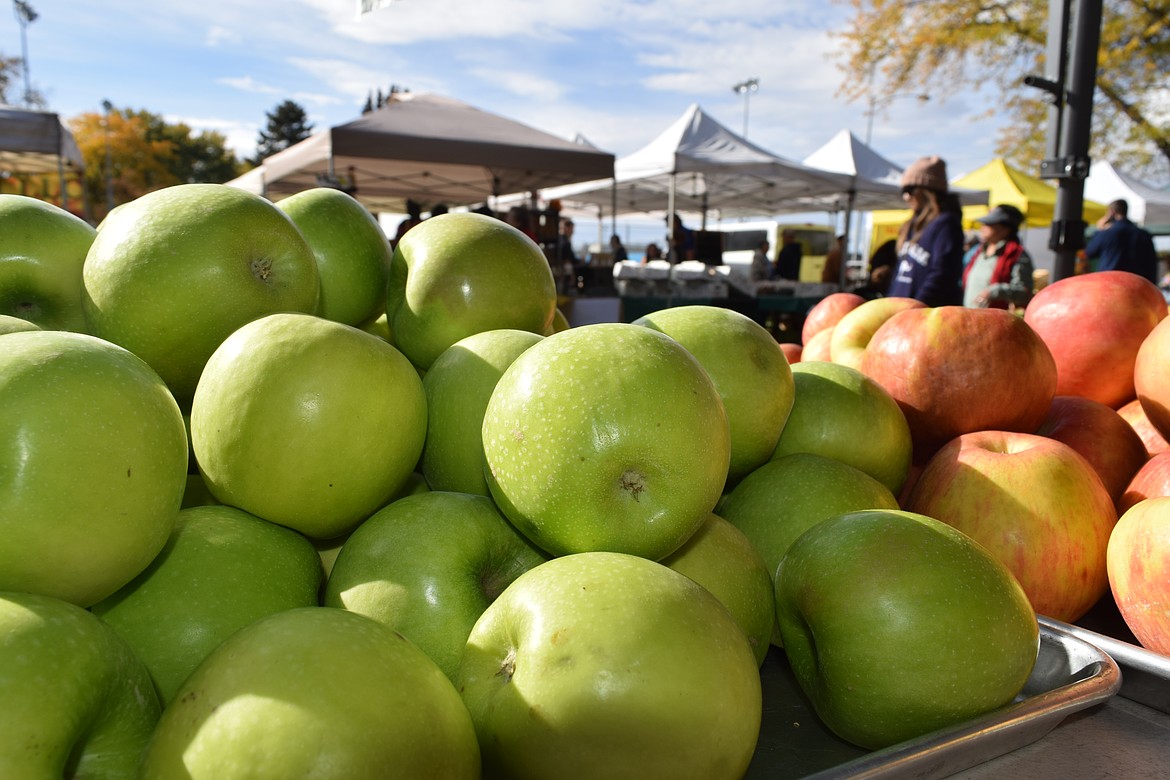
[(278, 501)]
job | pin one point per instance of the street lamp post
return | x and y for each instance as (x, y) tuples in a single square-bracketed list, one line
[(875, 102), (108, 106), (746, 88), (25, 15)]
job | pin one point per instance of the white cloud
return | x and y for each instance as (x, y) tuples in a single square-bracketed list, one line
[(218, 35)]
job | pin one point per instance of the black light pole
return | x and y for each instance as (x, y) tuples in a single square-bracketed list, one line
[(25, 15), (1074, 35), (108, 106)]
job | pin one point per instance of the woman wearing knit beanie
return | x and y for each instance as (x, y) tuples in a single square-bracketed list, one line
[(930, 243)]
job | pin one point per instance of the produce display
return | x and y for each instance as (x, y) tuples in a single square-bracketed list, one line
[(277, 501)]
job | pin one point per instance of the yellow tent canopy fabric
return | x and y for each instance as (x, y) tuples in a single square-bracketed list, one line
[(1035, 197)]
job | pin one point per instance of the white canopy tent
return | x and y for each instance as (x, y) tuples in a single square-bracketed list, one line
[(430, 149), (1147, 205), (698, 166)]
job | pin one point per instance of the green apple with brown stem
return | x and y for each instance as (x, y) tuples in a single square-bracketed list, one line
[(631, 670), (428, 566), (174, 272), (591, 442)]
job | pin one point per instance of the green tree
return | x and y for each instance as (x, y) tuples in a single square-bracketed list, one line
[(287, 124), (948, 46)]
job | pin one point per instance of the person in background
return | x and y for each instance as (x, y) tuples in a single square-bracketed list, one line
[(789, 257), (653, 252), (997, 272), (930, 243), (413, 217), (1120, 245), (618, 249), (881, 270), (832, 270), (681, 241), (761, 268), (565, 242)]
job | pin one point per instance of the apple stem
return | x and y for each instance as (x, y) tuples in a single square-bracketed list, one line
[(508, 666)]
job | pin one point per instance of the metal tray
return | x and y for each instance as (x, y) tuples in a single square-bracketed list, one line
[(1145, 674), (1071, 674)]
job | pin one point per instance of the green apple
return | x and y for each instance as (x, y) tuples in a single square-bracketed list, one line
[(307, 423), (328, 549), (77, 701), (560, 322), (221, 569), (749, 371), (10, 324), (896, 625), (842, 414), (93, 464), (428, 566), (380, 327), (724, 561), (458, 386), (314, 692), (606, 437), (353, 253), (458, 274), (785, 497), (41, 256), (606, 665), (174, 272)]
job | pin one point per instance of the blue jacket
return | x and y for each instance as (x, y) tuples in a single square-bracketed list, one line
[(930, 268), (1123, 246)]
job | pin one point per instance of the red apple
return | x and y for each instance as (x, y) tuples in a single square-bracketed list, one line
[(792, 352), (1036, 504), (1135, 415), (1094, 325), (1151, 376), (817, 348), (1152, 480), (955, 370), (827, 312), (1139, 572), (852, 333), (1101, 435)]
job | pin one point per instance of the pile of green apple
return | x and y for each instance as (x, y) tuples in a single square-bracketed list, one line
[(278, 501)]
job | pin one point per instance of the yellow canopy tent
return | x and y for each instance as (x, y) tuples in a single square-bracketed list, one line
[(1004, 184)]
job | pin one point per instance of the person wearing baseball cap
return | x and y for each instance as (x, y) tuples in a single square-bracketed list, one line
[(930, 243), (997, 272)]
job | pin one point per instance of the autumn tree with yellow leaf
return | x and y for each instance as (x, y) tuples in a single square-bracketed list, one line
[(947, 46), (129, 153)]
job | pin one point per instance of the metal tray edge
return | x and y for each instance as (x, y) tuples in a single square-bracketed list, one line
[(951, 750)]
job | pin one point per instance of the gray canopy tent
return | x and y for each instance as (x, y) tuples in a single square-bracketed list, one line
[(36, 143), (430, 149)]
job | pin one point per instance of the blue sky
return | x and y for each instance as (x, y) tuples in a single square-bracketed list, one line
[(616, 71)]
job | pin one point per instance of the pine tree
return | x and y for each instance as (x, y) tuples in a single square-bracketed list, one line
[(287, 124)]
